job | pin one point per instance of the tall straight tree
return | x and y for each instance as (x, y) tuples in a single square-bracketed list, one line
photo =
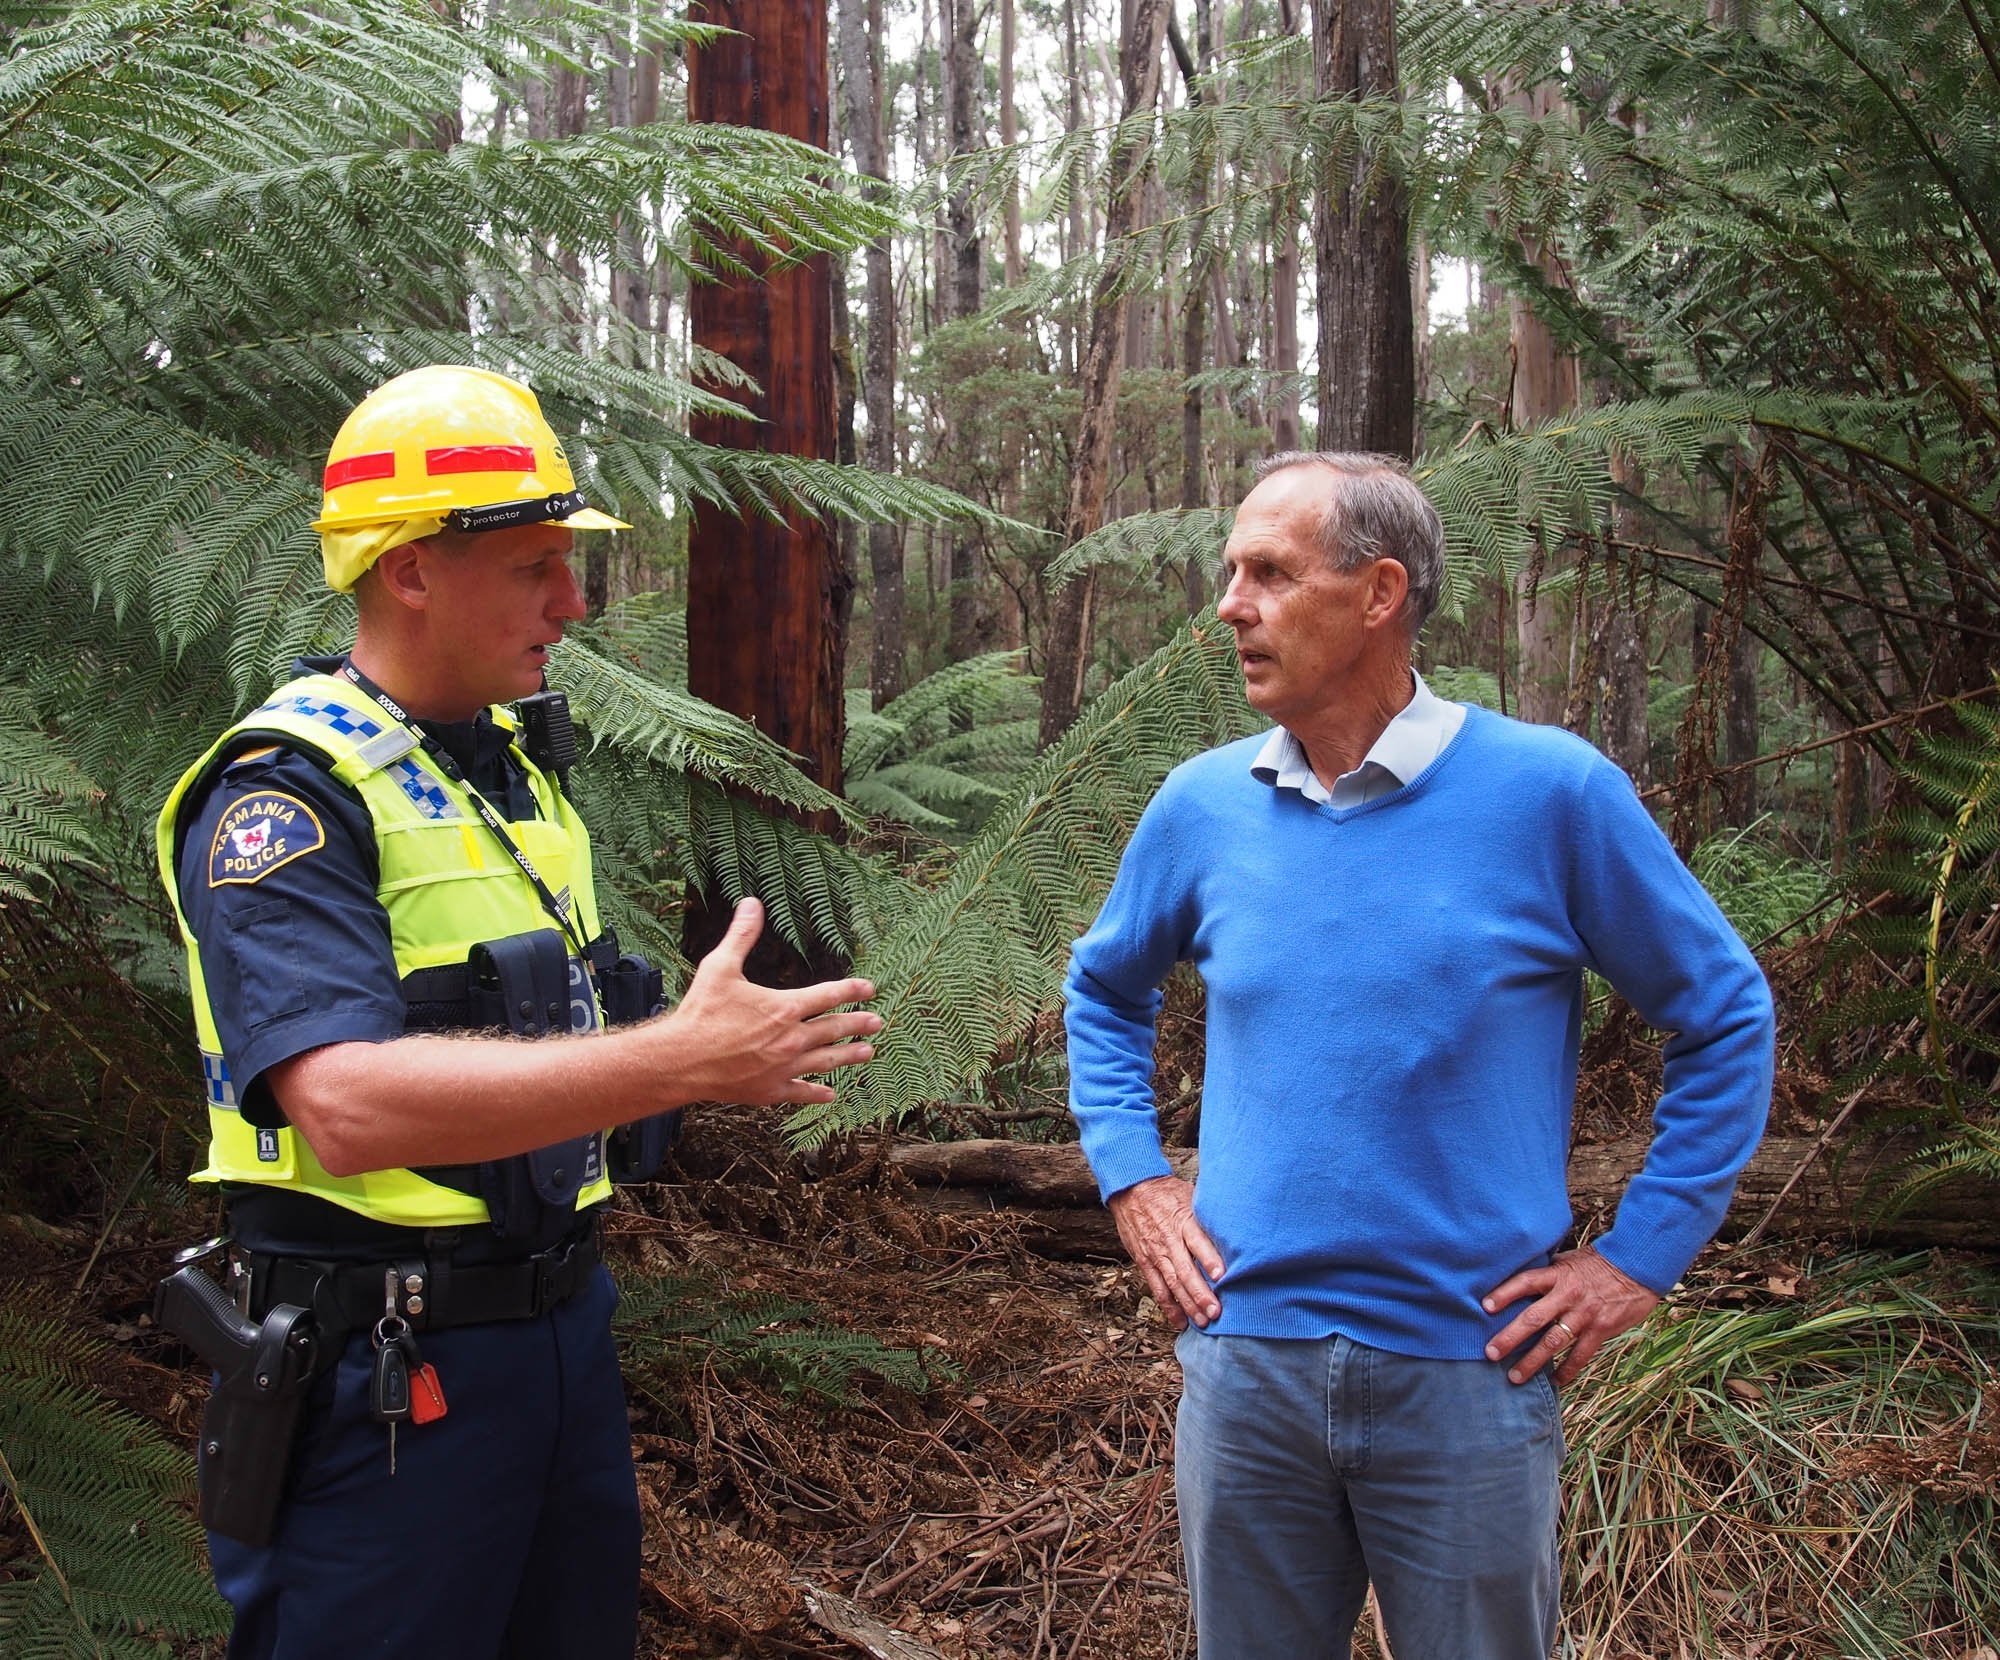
[(767, 602), (1544, 386), (974, 623), (1361, 232), (1194, 309), (1071, 616), (1282, 399), (860, 46), (1740, 725), (1010, 132)]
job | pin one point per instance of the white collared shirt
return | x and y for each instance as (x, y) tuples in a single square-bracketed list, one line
[(1409, 743)]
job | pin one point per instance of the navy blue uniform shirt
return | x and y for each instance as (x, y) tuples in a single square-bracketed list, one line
[(296, 949)]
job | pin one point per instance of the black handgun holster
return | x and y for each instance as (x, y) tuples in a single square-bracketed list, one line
[(250, 1425)]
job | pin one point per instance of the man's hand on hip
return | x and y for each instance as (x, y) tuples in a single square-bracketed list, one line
[(1581, 1303), (1156, 1224)]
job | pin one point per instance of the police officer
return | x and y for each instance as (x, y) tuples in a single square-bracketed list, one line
[(377, 878)]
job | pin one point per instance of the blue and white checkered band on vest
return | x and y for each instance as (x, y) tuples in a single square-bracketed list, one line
[(215, 1074), (412, 778), (422, 789), (350, 722)]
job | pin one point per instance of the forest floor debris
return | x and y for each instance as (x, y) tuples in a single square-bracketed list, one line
[(1020, 1503)]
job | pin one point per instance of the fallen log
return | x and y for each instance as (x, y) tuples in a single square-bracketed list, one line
[(1834, 1193)]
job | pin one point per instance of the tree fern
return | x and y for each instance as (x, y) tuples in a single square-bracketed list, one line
[(1940, 863), (942, 755), (45, 822), (973, 960), (116, 1561)]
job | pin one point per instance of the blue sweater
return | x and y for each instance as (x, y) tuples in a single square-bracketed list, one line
[(1395, 998)]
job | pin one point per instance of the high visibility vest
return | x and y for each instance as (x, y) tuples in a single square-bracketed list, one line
[(446, 885)]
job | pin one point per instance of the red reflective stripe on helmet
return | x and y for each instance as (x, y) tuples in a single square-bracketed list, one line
[(357, 469), (480, 458)]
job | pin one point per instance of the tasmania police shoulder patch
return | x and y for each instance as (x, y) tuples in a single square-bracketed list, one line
[(260, 832)]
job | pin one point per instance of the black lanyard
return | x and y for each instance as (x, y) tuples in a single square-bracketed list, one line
[(450, 768)]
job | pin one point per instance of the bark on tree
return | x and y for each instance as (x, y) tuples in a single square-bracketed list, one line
[(1282, 399), (1544, 385), (974, 622), (860, 41), (1742, 740), (1072, 613), (1420, 332), (1010, 133), (1361, 222), (1622, 699), (767, 602), (1624, 612), (569, 112), (1073, 123), (1195, 306)]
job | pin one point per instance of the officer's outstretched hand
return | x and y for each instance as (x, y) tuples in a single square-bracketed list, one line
[(735, 1040)]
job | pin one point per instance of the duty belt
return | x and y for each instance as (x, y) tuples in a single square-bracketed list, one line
[(433, 1292)]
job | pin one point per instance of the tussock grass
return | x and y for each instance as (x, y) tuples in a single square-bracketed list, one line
[(1806, 1462)]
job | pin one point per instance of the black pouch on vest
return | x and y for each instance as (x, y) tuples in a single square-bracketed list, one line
[(521, 983), (632, 990)]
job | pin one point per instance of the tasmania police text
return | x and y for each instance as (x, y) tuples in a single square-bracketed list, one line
[(259, 833)]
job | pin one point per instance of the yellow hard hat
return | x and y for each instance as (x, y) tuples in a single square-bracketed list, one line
[(442, 448)]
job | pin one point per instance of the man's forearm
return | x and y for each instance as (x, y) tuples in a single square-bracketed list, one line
[(445, 1100), (463, 1100)]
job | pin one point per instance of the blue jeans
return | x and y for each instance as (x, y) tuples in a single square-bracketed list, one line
[(1306, 1469), (510, 1528)]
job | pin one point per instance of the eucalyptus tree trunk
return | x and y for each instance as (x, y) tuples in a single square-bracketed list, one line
[(1194, 309), (1073, 124), (860, 37), (1361, 224), (1544, 385), (1071, 616), (1618, 635), (1619, 626), (1742, 741), (767, 602), (1420, 333), (974, 625), (1282, 398), (635, 98), (1742, 738), (1010, 133)]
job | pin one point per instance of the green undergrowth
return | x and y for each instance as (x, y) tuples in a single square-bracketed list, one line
[(1804, 1462), (106, 1559), (670, 1326)]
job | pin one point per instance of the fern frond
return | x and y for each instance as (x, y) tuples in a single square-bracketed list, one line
[(120, 1558), (978, 957), (1171, 537), (679, 1324), (45, 801)]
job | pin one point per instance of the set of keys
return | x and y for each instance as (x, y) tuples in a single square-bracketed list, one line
[(404, 1386)]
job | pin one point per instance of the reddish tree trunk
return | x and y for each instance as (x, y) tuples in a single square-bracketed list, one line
[(767, 603)]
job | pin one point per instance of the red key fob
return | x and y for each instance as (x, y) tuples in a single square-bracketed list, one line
[(426, 1395)]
